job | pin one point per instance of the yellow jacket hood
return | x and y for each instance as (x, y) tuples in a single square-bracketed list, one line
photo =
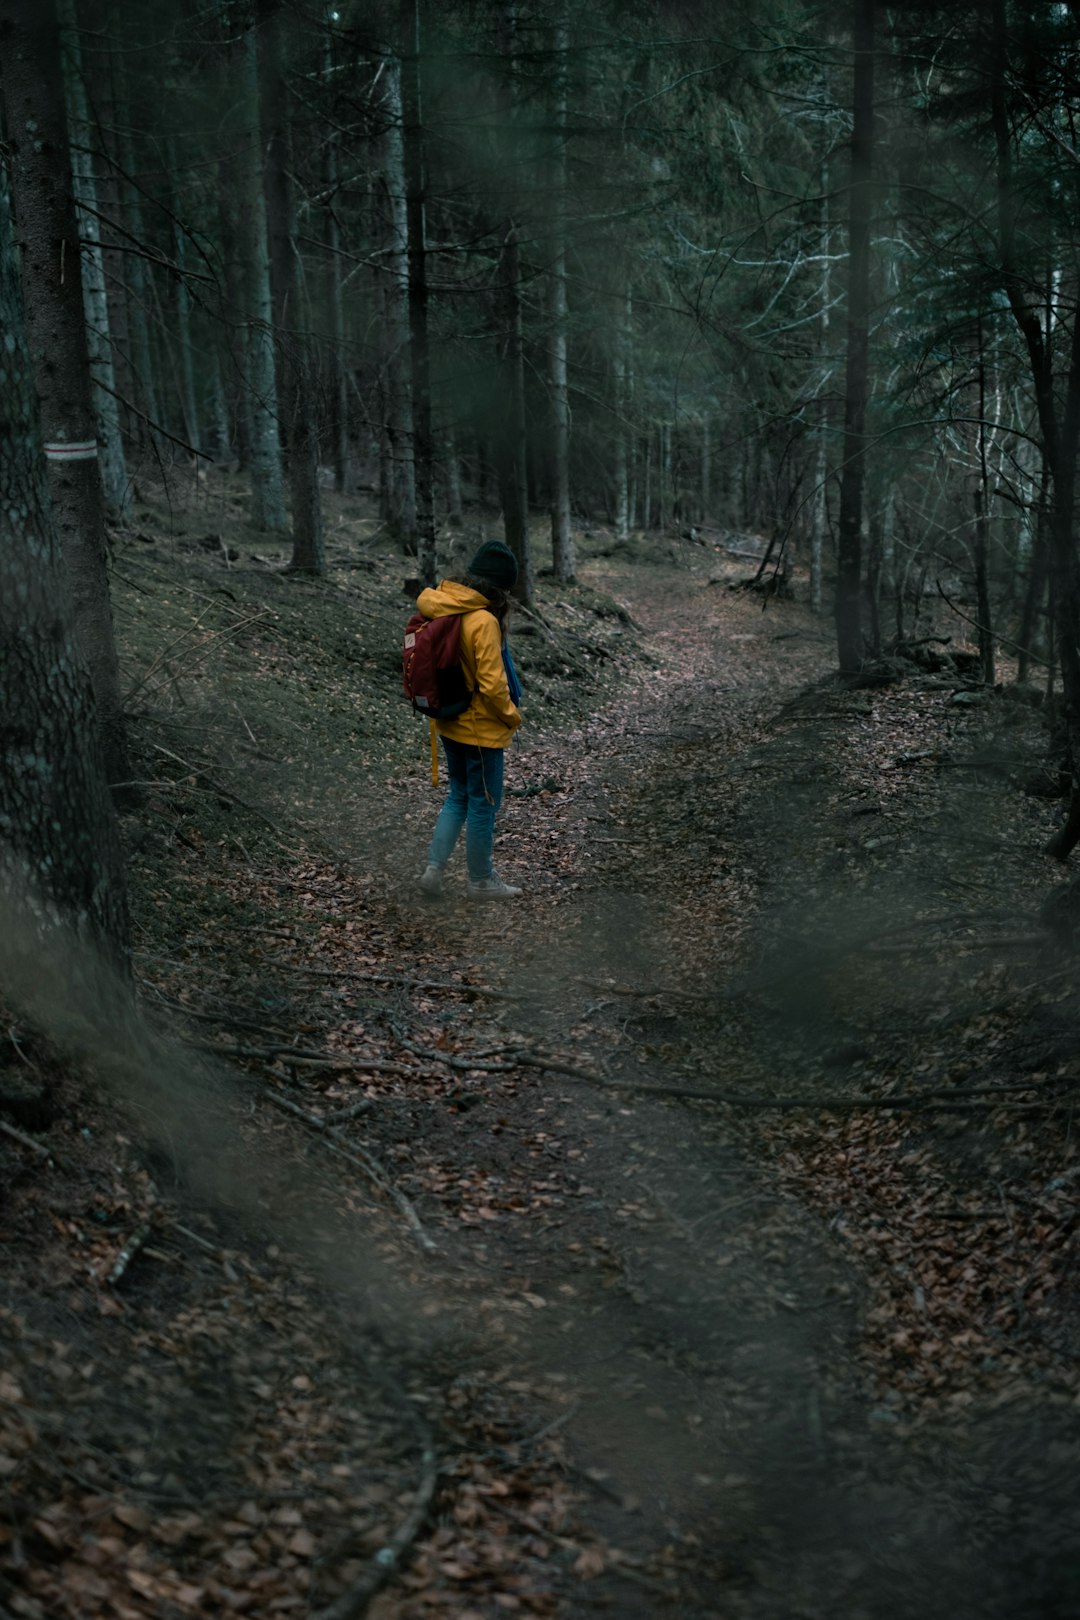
[(438, 601)]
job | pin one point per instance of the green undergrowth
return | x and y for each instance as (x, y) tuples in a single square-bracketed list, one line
[(266, 715)]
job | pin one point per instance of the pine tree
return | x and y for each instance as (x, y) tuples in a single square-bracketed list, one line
[(60, 853)]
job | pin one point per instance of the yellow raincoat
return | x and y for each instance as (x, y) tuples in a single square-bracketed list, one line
[(491, 718)]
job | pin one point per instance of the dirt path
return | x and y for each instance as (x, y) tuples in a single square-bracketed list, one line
[(710, 1323), (447, 1303)]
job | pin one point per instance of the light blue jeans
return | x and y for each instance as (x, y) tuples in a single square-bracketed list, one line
[(476, 787)]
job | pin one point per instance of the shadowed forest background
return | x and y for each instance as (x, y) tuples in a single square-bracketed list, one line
[(696, 1236)]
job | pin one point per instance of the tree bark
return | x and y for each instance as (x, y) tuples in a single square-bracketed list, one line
[(666, 476), (48, 243), (189, 405), (58, 838), (848, 607), (398, 412), (137, 272), (984, 611), (562, 540), (260, 378), (291, 322), (335, 302), (454, 513), (100, 61), (821, 470), (1036, 581), (511, 427), (621, 389), (231, 305), (95, 295), (423, 449)]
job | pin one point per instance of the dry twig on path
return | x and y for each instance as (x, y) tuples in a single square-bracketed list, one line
[(42, 1150), (302, 1057), (515, 1058), (406, 980), (353, 1602), (334, 1142), (365, 1161)]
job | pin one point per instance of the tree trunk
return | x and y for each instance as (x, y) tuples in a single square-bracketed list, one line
[(291, 321), (875, 554), (454, 513), (58, 836), (423, 448), (219, 435), (232, 336), (267, 474), (189, 407), (621, 389), (1025, 528), (137, 272), (512, 435), (1036, 581), (398, 387), (889, 584), (100, 61), (562, 540), (48, 240), (849, 528), (982, 533), (335, 303), (666, 476), (511, 427), (821, 471), (95, 296)]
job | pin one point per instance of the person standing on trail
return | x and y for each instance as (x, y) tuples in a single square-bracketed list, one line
[(475, 741)]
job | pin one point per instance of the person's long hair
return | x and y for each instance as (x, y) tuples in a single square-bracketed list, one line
[(499, 601)]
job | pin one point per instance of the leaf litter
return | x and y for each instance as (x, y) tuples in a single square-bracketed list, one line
[(586, 1401)]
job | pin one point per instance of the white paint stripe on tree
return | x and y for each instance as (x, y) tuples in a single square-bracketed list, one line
[(62, 450)]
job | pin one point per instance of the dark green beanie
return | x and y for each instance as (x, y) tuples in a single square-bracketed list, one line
[(497, 563)]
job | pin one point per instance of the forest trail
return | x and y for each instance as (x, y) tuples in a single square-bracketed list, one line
[(749, 1402), (468, 1322)]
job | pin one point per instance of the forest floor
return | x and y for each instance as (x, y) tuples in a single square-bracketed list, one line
[(693, 1237)]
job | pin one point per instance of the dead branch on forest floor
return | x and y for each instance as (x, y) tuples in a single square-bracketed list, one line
[(248, 1019), (302, 1058), (407, 981), (42, 1150), (455, 1061), (329, 1135), (516, 1057), (354, 1601), (219, 787), (335, 1143)]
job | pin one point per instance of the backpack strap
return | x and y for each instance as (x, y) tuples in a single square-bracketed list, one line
[(434, 754)]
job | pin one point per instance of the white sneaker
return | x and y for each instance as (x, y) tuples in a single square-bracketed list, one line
[(492, 888), (432, 881)]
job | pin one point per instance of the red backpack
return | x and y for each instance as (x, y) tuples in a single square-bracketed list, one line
[(431, 672)]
